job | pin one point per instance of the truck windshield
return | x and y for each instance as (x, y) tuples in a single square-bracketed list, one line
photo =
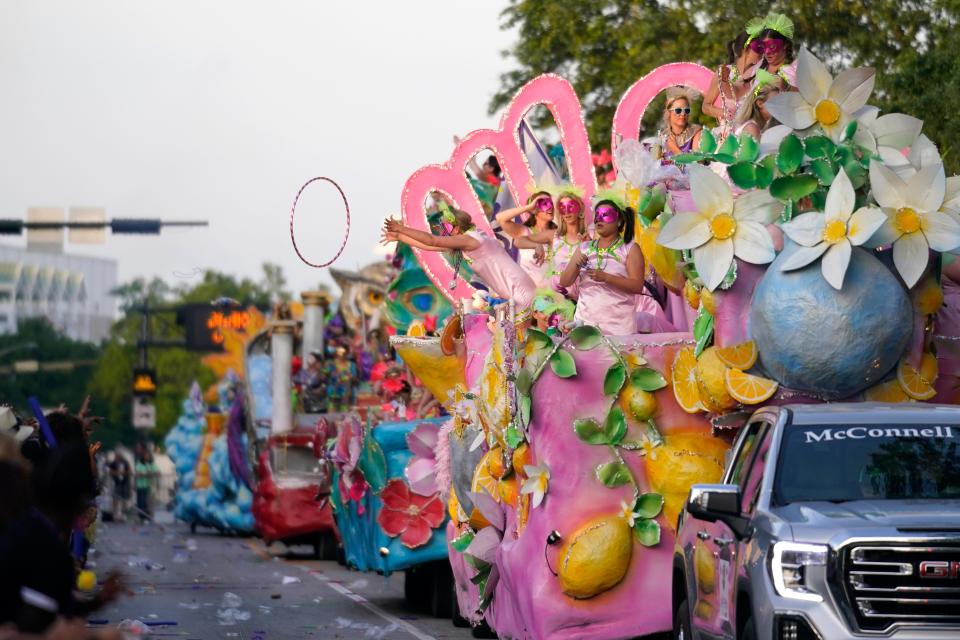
[(868, 462)]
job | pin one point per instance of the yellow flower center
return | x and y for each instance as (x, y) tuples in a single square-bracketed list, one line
[(835, 231), (907, 220), (827, 112), (723, 226)]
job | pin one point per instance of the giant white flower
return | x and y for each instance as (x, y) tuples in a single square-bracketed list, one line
[(537, 483), (887, 133), (832, 234), (915, 221), (923, 153), (822, 100), (722, 227)]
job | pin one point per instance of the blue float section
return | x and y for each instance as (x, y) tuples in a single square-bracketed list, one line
[(362, 537)]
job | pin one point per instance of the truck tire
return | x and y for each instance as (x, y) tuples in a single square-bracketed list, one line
[(681, 622), (441, 590), (416, 588), (483, 630)]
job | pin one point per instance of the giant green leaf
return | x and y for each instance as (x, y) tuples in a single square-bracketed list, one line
[(793, 188), (538, 338), (823, 170), (647, 532), (702, 331), (563, 364), (649, 505), (647, 379), (819, 147), (614, 474), (790, 155), (461, 542), (765, 170), (743, 174), (729, 147), (525, 407), (708, 144), (590, 431), (524, 382), (615, 426), (613, 381), (687, 158), (513, 437), (749, 148), (586, 337)]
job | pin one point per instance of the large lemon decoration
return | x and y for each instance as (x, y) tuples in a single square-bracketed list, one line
[(683, 460), (596, 557)]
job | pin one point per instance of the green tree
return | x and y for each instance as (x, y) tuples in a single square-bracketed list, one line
[(274, 282), (604, 46)]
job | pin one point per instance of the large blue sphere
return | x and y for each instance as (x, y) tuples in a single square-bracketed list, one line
[(831, 343)]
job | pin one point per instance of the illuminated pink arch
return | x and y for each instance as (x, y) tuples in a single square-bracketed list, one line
[(550, 90), (629, 114)]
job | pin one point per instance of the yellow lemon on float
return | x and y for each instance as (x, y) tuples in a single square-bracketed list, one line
[(889, 391), (86, 581), (596, 557), (749, 389), (522, 457), (913, 381), (691, 295), (708, 300), (637, 403), (509, 490), (683, 371), (703, 564), (711, 379), (928, 297), (739, 356), (416, 329), (684, 459)]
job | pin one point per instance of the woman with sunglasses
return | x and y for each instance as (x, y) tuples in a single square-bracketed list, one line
[(775, 44), (486, 255), (731, 84), (609, 269), (537, 216), (678, 134)]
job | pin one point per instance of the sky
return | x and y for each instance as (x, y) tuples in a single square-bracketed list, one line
[(220, 110)]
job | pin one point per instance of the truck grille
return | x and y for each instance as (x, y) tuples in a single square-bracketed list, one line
[(906, 584)]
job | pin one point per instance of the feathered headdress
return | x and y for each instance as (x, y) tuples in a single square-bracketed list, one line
[(779, 23), (763, 79), (754, 28), (615, 193), (677, 91)]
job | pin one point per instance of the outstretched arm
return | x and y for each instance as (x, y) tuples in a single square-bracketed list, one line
[(710, 97), (395, 230), (633, 282)]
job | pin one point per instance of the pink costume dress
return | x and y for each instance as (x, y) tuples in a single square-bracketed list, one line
[(497, 270), (602, 305), (537, 272), (558, 257)]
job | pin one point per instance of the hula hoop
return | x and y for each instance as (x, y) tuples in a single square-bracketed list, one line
[(293, 211)]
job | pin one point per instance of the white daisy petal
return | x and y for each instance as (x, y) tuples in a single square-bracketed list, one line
[(757, 206), (895, 160), (685, 231), (924, 153), (791, 109), (942, 231), (926, 188), (711, 194), (865, 138), (835, 262), (803, 256), (863, 224), (887, 187), (910, 255), (951, 196), (713, 261), (752, 243), (806, 229), (884, 236), (840, 198), (852, 87), (867, 114), (896, 130), (813, 78)]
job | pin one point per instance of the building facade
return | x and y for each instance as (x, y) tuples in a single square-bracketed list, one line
[(73, 292)]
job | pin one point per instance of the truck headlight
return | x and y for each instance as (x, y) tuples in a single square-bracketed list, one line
[(790, 564)]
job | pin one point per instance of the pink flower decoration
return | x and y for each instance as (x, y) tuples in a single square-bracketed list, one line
[(408, 515), (421, 471), (346, 456)]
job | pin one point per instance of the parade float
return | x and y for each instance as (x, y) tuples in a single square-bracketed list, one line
[(811, 264)]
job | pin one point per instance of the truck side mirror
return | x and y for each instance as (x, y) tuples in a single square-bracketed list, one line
[(717, 502)]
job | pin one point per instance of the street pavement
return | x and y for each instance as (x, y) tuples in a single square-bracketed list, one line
[(205, 586)]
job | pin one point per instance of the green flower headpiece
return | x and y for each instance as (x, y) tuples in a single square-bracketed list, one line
[(763, 78), (616, 193), (779, 23), (754, 27), (446, 213)]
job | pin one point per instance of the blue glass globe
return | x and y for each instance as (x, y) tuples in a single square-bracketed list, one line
[(831, 343)]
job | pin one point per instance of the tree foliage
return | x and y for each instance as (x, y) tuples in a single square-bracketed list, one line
[(604, 46)]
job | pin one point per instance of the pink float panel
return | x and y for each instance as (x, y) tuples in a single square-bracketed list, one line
[(557, 95), (629, 113)]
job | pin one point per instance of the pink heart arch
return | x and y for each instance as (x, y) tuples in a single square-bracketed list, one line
[(633, 104), (558, 96)]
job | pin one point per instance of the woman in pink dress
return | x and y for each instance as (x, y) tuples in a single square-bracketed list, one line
[(538, 216), (486, 255), (609, 270)]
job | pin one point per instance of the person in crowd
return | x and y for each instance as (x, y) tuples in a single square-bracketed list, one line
[(14, 481), (537, 221), (341, 381), (146, 474), (120, 475), (775, 43), (609, 269), (753, 118), (731, 83), (313, 382), (489, 260), (678, 134), (38, 577)]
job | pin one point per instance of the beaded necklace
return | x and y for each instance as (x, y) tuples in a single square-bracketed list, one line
[(600, 252)]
